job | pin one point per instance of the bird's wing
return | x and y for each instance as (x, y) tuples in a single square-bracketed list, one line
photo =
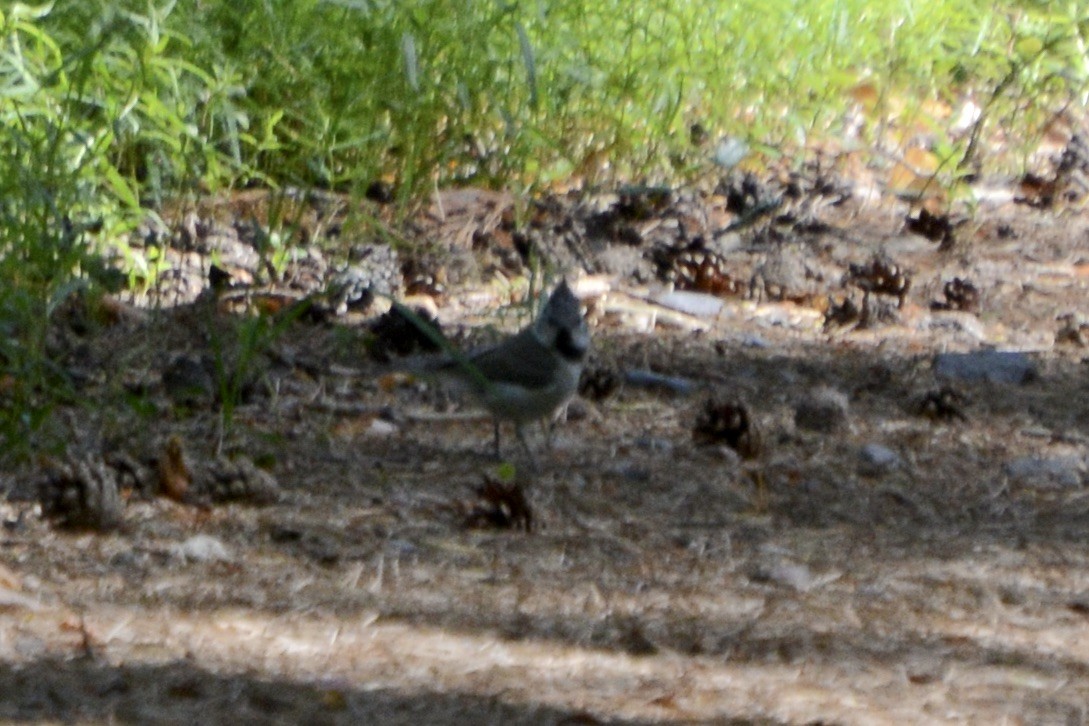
[(521, 360)]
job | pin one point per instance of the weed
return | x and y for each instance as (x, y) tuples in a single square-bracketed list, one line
[(85, 91)]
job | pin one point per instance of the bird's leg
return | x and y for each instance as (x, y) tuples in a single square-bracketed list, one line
[(549, 426), (525, 445), (498, 456)]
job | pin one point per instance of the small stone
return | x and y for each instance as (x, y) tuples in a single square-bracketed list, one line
[(752, 340), (654, 444), (993, 366), (729, 152), (630, 471), (380, 428), (824, 410), (874, 459), (203, 548), (1059, 472), (794, 575)]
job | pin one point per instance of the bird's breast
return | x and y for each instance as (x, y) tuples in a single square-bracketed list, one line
[(522, 403)]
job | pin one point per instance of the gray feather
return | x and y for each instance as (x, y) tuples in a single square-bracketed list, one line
[(521, 360)]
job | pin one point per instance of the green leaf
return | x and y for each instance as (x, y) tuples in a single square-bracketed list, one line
[(121, 187), (530, 62)]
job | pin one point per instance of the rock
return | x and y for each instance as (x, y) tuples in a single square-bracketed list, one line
[(1058, 472), (993, 366), (729, 152), (203, 548), (630, 471), (824, 410), (381, 428), (654, 444), (794, 575), (874, 459), (752, 340)]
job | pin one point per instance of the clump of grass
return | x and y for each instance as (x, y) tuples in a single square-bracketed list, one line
[(85, 91), (441, 92), (336, 94)]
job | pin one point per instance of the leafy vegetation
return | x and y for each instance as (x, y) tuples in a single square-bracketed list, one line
[(108, 108)]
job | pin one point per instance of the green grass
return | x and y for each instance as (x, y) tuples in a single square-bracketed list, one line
[(195, 94), (109, 107), (336, 93)]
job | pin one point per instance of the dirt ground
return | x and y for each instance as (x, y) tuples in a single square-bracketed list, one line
[(916, 554)]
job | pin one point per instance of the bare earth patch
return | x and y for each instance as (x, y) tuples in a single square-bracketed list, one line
[(925, 561)]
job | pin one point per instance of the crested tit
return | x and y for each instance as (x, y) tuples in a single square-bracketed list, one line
[(530, 375)]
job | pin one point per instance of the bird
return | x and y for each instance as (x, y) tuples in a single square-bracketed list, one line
[(530, 375)]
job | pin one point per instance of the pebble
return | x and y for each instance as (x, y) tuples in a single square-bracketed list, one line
[(729, 152), (794, 575), (1058, 472), (874, 459), (203, 548), (630, 471), (993, 366), (753, 340), (654, 444), (380, 428)]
